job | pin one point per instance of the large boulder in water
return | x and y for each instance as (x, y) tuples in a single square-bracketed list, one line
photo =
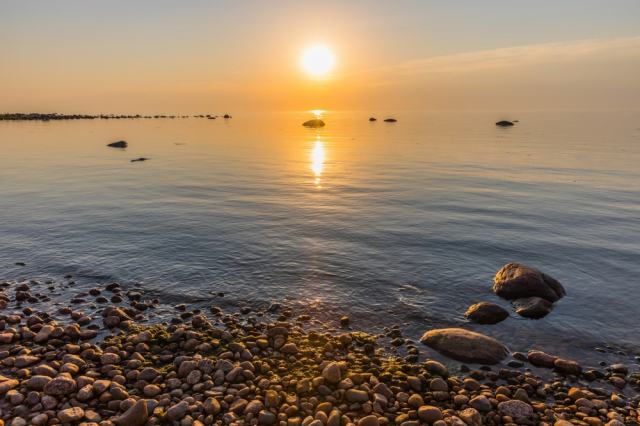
[(486, 313), (515, 281), (314, 123), (119, 144), (504, 123), (465, 346)]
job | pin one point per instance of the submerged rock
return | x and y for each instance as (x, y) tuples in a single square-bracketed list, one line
[(515, 281), (533, 307), (314, 123), (120, 144), (465, 346), (486, 313), (504, 123)]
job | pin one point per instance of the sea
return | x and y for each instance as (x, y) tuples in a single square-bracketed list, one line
[(389, 223)]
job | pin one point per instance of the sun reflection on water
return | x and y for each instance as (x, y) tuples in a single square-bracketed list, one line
[(318, 158)]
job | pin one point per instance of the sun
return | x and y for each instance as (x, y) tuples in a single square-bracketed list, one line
[(318, 60)]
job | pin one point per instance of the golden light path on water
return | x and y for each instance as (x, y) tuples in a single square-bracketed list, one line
[(318, 158)]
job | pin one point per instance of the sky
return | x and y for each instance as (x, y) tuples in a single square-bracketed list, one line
[(198, 56)]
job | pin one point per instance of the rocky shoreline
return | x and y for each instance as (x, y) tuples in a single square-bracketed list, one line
[(236, 369)]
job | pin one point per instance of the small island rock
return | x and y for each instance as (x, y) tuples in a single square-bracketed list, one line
[(504, 123), (120, 144), (314, 123)]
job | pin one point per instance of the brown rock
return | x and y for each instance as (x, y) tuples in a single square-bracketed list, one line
[(465, 346), (137, 415), (486, 313), (568, 367), (60, 386), (516, 281), (541, 359)]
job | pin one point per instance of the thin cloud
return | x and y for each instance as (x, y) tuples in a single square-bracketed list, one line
[(516, 56)]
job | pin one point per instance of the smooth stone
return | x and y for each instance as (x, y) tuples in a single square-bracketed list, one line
[(568, 367), (434, 367), (465, 346), (486, 313), (357, 396), (481, 403), (70, 414), (541, 359), (429, 414), (331, 373)]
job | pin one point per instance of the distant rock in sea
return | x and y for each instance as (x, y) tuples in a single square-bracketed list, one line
[(314, 123), (212, 118), (390, 120), (373, 119), (120, 144), (227, 116), (504, 123), (141, 159)]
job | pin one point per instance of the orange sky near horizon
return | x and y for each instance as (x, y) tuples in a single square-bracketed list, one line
[(159, 57)]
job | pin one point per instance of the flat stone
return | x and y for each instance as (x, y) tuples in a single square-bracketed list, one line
[(70, 414), (515, 409)]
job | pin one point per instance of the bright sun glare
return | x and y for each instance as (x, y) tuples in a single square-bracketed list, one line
[(318, 60)]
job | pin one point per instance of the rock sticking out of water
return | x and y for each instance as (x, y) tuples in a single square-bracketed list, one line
[(314, 123), (486, 313), (533, 307), (119, 144), (515, 281), (504, 123), (390, 120)]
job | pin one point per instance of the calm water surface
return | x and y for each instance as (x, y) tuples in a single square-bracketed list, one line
[(390, 223)]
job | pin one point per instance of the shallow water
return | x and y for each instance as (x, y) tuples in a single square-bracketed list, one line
[(390, 223)]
